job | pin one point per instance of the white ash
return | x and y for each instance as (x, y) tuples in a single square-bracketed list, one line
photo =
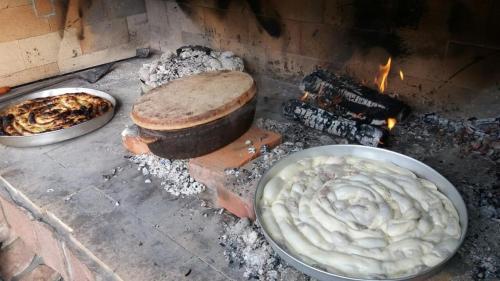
[(245, 246), (186, 61), (173, 174)]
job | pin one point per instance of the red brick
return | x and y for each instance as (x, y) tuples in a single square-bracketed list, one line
[(41, 273), (4, 227), (15, 258), (209, 169), (20, 222), (49, 248)]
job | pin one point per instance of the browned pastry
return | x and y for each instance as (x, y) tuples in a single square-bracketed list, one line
[(51, 113)]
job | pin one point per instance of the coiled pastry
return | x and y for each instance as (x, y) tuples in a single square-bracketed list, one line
[(47, 114)]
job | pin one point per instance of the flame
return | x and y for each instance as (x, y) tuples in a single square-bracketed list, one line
[(401, 75), (381, 79), (391, 122), (304, 97)]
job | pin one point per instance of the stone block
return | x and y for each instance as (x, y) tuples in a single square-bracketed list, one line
[(138, 29), (210, 169), (123, 8), (30, 74), (233, 24), (288, 39), (44, 8), (15, 259), (305, 11), (11, 59), (79, 271), (49, 248), (104, 35), (40, 50), (21, 22), (21, 222), (41, 273)]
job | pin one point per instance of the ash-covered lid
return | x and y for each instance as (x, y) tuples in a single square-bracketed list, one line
[(193, 100)]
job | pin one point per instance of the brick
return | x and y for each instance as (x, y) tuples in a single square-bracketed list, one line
[(30, 74), (57, 21), (203, 39), (97, 58), (15, 258), (254, 56), (287, 41), (321, 41), (123, 8), (4, 227), (11, 59), (79, 271), (20, 222), (339, 13), (104, 35), (70, 44), (231, 25), (300, 10), (158, 24), (40, 50), (209, 169), (44, 8), (138, 29), (286, 65), (4, 4), (21, 22), (185, 17), (41, 273), (49, 248)]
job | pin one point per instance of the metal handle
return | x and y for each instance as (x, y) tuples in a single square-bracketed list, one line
[(34, 87)]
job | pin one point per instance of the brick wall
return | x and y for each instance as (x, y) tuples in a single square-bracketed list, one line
[(449, 50), (44, 38)]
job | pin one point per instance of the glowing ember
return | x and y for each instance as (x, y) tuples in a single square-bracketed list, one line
[(381, 79), (391, 122), (401, 75), (304, 97)]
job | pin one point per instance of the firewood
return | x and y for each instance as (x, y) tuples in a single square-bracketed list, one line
[(344, 96), (317, 118)]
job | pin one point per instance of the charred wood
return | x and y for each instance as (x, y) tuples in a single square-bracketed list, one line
[(317, 118), (342, 95)]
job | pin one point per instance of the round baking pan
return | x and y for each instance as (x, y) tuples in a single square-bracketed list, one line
[(373, 153), (63, 134)]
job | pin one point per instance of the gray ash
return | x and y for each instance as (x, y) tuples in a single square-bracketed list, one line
[(450, 147), (173, 174), (246, 247), (187, 60)]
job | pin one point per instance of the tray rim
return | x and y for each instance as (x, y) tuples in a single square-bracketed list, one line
[(61, 134), (373, 152)]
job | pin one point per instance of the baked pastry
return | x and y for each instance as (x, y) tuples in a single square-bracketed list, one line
[(193, 100), (47, 114)]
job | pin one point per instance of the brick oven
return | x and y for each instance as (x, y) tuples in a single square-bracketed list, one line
[(163, 186)]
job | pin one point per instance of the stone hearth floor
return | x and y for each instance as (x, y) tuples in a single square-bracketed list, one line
[(139, 230), (143, 233)]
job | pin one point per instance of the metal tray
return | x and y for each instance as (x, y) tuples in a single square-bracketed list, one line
[(63, 134), (379, 154)]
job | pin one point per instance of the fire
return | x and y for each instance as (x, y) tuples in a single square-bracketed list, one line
[(391, 122), (401, 75), (381, 79), (304, 97)]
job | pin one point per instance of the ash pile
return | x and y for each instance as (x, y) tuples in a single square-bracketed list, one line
[(187, 60)]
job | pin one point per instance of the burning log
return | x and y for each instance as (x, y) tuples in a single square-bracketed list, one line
[(332, 123), (343, 96)]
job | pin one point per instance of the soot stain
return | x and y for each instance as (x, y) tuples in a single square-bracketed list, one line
[(459, 18), (272, 25), (382, 18)]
